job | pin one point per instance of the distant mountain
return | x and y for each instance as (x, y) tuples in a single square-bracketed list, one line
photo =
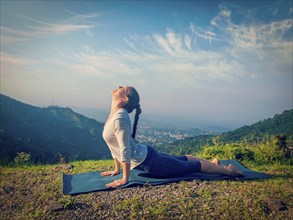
[(216, 129), (280, 124), (48, 132)]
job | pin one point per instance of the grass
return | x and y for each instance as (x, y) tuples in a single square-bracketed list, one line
[(35, 192)]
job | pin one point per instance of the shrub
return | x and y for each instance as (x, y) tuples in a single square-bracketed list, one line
[(269, 152), (209, 152), (227, 151), (22, 158), (241, 153)]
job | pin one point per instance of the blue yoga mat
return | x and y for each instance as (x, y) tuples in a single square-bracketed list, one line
[(92, 181)]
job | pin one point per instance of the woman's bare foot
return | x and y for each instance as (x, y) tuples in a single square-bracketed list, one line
[(233, 171), (216, 161)]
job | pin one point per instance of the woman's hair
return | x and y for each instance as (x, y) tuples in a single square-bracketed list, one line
[(131, 104)]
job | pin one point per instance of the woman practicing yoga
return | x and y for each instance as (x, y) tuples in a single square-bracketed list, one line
[(124, 150)]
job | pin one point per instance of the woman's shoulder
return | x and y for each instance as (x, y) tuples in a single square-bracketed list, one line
[(121, 114)]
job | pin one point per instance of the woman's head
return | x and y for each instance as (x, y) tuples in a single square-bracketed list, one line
[(133, 99), (130, 102)]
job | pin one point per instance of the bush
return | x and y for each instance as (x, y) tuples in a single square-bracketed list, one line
[(22, 158), (210, 152), (269, 152), (241, 153), (227, 152)]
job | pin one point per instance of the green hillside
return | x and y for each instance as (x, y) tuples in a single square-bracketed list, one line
[(280, 127), (280, 124), (47, 133)]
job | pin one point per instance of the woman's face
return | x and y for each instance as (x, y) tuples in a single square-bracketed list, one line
[(120, 92)]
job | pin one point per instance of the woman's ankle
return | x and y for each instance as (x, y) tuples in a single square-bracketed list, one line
[(233, 171), (216, 161)]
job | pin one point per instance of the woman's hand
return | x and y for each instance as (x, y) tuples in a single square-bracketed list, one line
[(110, 173), (116, 183), (120, 182)]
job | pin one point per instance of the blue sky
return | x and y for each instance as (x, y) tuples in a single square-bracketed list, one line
[(219, 62)]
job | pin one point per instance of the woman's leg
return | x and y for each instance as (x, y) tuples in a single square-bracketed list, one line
[(209, 167), (166, 165), (163, 165), (192, 158), (215, 167)]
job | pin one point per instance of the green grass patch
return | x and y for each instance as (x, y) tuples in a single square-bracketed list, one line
[(35, 192)]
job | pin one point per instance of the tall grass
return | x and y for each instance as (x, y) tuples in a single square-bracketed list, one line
[(264, 152)]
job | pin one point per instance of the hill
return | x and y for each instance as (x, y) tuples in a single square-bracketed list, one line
[(280, 124), (48, 132)]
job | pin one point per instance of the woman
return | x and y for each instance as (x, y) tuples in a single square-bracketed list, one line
[(117, 134)]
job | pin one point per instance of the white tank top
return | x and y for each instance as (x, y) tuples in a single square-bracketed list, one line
[(117, 134)]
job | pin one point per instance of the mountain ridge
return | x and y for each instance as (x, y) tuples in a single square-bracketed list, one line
[(48, 131), (280, 125)]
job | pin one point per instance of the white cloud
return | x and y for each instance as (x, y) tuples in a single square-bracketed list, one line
[(45, 28), (174, 40), (5, 39), (224, 11), (130, 44), (60, 28), (187, 41), (224, 14), (178, 57), (8, 59), (163, 43), (15, 32), (203, 33), (77, 17), (40, 28), (261, 35), (175, 58)]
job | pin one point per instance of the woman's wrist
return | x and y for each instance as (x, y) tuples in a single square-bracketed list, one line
[(125, 179)]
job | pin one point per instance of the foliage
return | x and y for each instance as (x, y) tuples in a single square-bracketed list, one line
[(22, 158), (228, 151), (280, 124), (269, 152), (265, 151)]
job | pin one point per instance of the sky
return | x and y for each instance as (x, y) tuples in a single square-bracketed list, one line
[(215, 62)]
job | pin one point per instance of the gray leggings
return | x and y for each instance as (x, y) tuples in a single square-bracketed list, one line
[(162, 165)]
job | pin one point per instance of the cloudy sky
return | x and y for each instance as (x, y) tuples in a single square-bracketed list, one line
[(214, 61)]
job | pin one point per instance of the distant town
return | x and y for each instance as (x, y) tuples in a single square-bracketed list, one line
[(161, 136)]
